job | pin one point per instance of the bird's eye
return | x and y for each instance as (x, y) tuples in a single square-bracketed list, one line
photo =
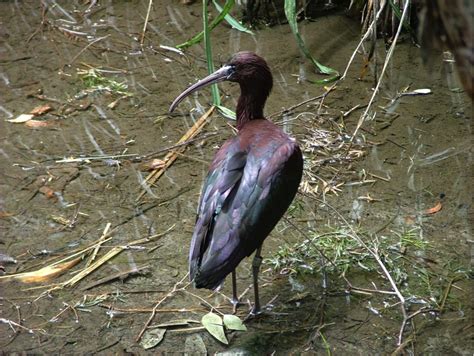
[(231, 72)]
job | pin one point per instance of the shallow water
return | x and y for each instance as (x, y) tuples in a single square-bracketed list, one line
[(408, 161)]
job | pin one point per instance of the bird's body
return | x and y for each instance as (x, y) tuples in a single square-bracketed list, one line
[(251, 182)]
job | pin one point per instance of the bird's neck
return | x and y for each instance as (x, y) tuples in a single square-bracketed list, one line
[(250, 105)]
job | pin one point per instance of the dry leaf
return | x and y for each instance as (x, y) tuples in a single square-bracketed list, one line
[(47, 191), (40, 110), (153, 164), (5, 214), (37, 123), (43, 274), (152, 338), (21, 118), (434, 209)]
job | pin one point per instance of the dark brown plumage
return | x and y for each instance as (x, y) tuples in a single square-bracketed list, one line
[(251, 182)]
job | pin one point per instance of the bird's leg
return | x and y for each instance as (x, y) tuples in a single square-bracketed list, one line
[(257, 261), (235, 298)]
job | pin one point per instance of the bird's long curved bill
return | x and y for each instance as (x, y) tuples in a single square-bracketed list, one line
[(218, 76)]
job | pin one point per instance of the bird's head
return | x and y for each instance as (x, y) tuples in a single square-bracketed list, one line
[(246, 68)]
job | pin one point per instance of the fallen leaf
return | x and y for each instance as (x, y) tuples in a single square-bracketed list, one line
[(43, 274), (434, 209), (21, 118), (47, 191), (233, 322), (37, 123), (153, 164), (40, 110), (152, 338), (5, 214), (114, 103), (422, 91), (213, 324)]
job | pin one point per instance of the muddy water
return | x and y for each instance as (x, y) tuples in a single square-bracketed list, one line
[(415, 153)]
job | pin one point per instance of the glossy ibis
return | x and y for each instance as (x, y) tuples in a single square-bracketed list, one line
[(251, 182)]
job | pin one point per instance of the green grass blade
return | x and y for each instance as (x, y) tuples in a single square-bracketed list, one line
[(398, 14), (227, 113), (231, 21), (216, 98), (196, 39), (290, 12)]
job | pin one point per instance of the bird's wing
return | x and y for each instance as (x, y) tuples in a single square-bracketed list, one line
[(224, 174), (235, 197)]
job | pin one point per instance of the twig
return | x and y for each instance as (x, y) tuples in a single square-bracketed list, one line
[(99, 243), (153, 205), (363, 39), (367, 290), (92, 158), (401, 347), (44, 10), (379, 261), (173, 155), (86, 47), (379, 177), (291, 108), (112, 253), (155, 308), (205, 302), (140, 291), (148, 310), (407, 318), (172, 147), (120, 275), (68, 306), (446, 293), (351, 110), (142, 37), (196, 328), (11, 323), (385, 65)]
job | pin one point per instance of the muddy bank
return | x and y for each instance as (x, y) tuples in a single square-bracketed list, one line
[(414, 154)]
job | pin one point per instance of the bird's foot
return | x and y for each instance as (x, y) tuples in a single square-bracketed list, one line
[(256, 311), (235, 304)]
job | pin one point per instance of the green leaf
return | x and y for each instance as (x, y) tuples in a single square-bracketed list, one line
[(231, 21), (233, 322), (213, 324), (291, 15), (227, 113), (197, 38), (152, 338)]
